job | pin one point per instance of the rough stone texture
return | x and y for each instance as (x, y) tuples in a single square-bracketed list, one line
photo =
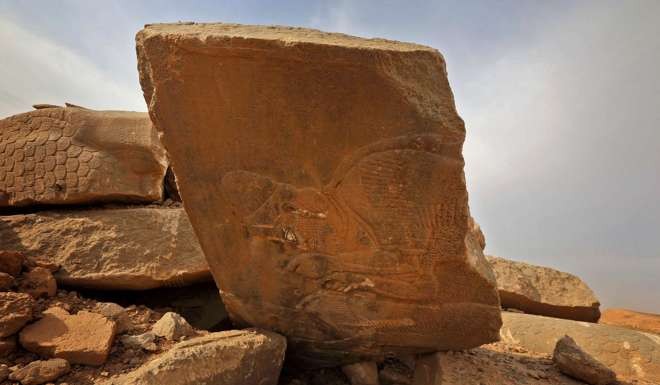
[(6, 281), (494, 364), (573, 361), (38, 282), (41, 372), (362, 373), (135, 248), (544, 291), (236, 357), (15, 311), (76, 155), (631, 319), (323, 174), (630, 354), (11, 262), (172, 326), (83, 338), (7, 346), (4, 372)]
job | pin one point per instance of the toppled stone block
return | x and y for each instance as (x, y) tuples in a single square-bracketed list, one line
[(41, 372), (575, 362), (324, 177), (632, 319), (544, 291), (82, 338), (236, 357), (74, 155), (135, 248), (630, 354), (15, 312)]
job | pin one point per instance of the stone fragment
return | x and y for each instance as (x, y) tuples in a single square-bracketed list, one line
[(236, 357), (346, 196), (173, 327), (79, 156), (38, 282), (544, 291), (362, 373), (133, 249), (7, 346), (41, 372), (631, 319), (83, 338), (141, 341), (116, 313), (630, 354), (10, 261), (15, 312), (6, 281), (574, 362)]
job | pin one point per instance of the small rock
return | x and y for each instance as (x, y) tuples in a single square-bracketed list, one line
[(41, 372), (362, 373), (11, 262), (116, 313), (4, 372), (143, 341), (7, 346), (575, 362), (172, 326), (83, 338), (6, 281), (15, 311), (31, 262), (38, 282)]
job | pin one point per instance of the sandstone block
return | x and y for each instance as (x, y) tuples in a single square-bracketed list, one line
[(544, 291), (75, 155), (631, 319), (630, 354), (82, 338), (575, 362), (323, 175), (38, 282), (15, 312), (236, 357), (41, 372), (135, 248)]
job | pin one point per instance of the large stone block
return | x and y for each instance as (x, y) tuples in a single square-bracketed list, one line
[(132, 248), (324, 177), (544, 291), (632, 355), (71, 155)]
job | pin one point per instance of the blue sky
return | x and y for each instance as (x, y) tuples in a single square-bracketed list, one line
[(561, 101)]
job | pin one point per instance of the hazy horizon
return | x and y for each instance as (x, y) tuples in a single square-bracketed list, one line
[(561, 102)]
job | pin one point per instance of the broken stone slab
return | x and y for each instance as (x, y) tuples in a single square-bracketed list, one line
[(82, 338), (544, 291), (131, 248), (41, 372), (71, 155), (15, 311), (341, 220), (235, 357), (632, 355), (575, 362), (632, 319)]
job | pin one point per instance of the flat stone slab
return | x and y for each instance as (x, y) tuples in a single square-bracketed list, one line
[(544, 291), (72, 155), (130, 249), (630, 354), (235, 357), (324, 177)]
